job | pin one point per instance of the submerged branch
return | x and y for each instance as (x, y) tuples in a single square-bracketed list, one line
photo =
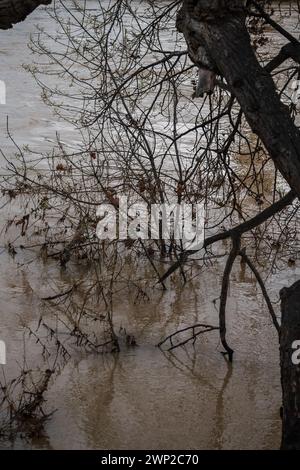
[(247, 260), (205, 329)]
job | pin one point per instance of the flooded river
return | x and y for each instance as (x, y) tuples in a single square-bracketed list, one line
[(141, 398)]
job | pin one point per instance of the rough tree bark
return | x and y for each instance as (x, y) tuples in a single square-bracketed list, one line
[(14, 11), (290, 373), (220, 27)]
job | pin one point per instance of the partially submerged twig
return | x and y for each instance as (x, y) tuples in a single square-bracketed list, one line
[(204, 328), (224, 292), (247, 260)]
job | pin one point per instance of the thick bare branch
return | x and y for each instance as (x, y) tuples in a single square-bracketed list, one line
[(224, 35), (239, 230)]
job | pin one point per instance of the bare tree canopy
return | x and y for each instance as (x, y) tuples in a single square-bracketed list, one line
[(180, 102)]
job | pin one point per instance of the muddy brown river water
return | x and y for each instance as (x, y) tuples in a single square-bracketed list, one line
[(142, 397)]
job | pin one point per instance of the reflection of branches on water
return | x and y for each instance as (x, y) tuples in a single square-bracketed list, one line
[(189, 370), (219, 427), (194, 332), (85, 310), (22, 404), (188, 366)]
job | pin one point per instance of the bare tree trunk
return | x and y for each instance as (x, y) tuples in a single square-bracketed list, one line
[(290, 372), (14, 11), (219, 26)]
